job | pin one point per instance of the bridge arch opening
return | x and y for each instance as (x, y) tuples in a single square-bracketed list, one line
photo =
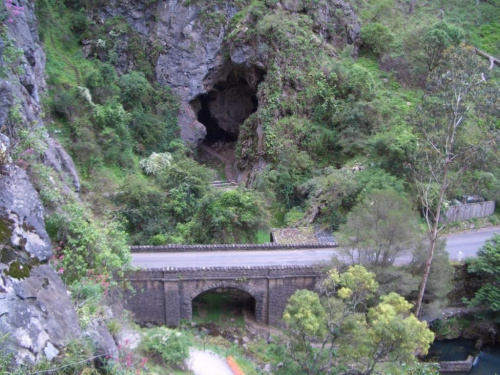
[(223, 304)]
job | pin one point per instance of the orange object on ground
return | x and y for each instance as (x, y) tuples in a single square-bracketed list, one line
[(233, 365)]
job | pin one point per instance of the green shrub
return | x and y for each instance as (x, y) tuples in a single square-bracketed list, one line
[(494, 219), (294, 215), (233, 216), (377, 37), (113, 326), (85, 243), (79, 23), (158, 239), (136, 90), (166, 345)]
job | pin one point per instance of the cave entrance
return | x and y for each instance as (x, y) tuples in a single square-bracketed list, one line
[(223, 306), (224, 109), (230, 99)]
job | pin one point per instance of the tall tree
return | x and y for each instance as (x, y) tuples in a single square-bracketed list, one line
[(350, 337), (379, 229), (454, 136)]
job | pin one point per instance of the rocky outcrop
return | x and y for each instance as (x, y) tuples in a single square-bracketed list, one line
[(198, 57), (37, 316), (56, 157), (21, 215), (20, 105)]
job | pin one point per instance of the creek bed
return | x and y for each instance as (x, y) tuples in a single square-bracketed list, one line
[(486, 363)]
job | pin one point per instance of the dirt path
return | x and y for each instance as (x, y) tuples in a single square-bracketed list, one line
[(228, 164), (207, 363)]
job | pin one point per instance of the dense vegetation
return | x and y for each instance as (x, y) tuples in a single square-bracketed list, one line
[(344, 112), (352, 135)]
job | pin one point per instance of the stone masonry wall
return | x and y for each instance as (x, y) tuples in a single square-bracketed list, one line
[(165, 296), (456, 366)]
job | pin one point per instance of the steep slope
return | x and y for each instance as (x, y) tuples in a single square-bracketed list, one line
[(37, 316)]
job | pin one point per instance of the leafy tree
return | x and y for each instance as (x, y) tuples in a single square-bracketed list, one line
[(379, 229), (440, 278), (185, 183), (146, 208), (437, 39), (102, 83), (335, 330), (377, 10), (329, 196), (487, 263), (452, 136), (373, 178), (156, 205), (395, 148), (233, 216), (115, 140)]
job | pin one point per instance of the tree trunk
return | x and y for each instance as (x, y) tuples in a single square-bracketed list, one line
[(434, 233), (412, 6), (493, 60)]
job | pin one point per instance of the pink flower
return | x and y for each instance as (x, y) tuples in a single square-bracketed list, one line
[(60, 270)]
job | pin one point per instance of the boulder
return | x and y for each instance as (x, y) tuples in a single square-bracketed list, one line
[(36, 314), (105, 346), (57, 158), (22, 225)]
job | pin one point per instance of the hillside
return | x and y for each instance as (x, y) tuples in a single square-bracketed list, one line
[(294, 93), (119, 119)]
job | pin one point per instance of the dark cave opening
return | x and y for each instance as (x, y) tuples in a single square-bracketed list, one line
[(225, 108), (214, 132)]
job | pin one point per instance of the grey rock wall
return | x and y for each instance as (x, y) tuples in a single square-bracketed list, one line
[(21, 215), (20, 90), (36, 313), (37, 316)]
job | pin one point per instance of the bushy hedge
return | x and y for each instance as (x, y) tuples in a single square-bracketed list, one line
[(166, 345)]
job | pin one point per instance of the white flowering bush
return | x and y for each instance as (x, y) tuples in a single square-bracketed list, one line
[(166, 345), (156, 162)]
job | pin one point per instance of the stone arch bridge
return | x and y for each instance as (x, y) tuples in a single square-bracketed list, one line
[(165, 296)]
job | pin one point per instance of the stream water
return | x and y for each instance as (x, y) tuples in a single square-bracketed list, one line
[(487, 362)]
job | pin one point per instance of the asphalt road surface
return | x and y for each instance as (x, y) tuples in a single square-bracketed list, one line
[(468, 243)]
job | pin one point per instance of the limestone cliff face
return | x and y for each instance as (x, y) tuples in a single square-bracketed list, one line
[(212, 65), (36, 313)]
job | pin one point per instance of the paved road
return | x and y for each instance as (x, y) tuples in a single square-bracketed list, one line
[(468, 243)]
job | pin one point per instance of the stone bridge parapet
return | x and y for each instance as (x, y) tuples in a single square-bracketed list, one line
[(175, 248), (164, 296)]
